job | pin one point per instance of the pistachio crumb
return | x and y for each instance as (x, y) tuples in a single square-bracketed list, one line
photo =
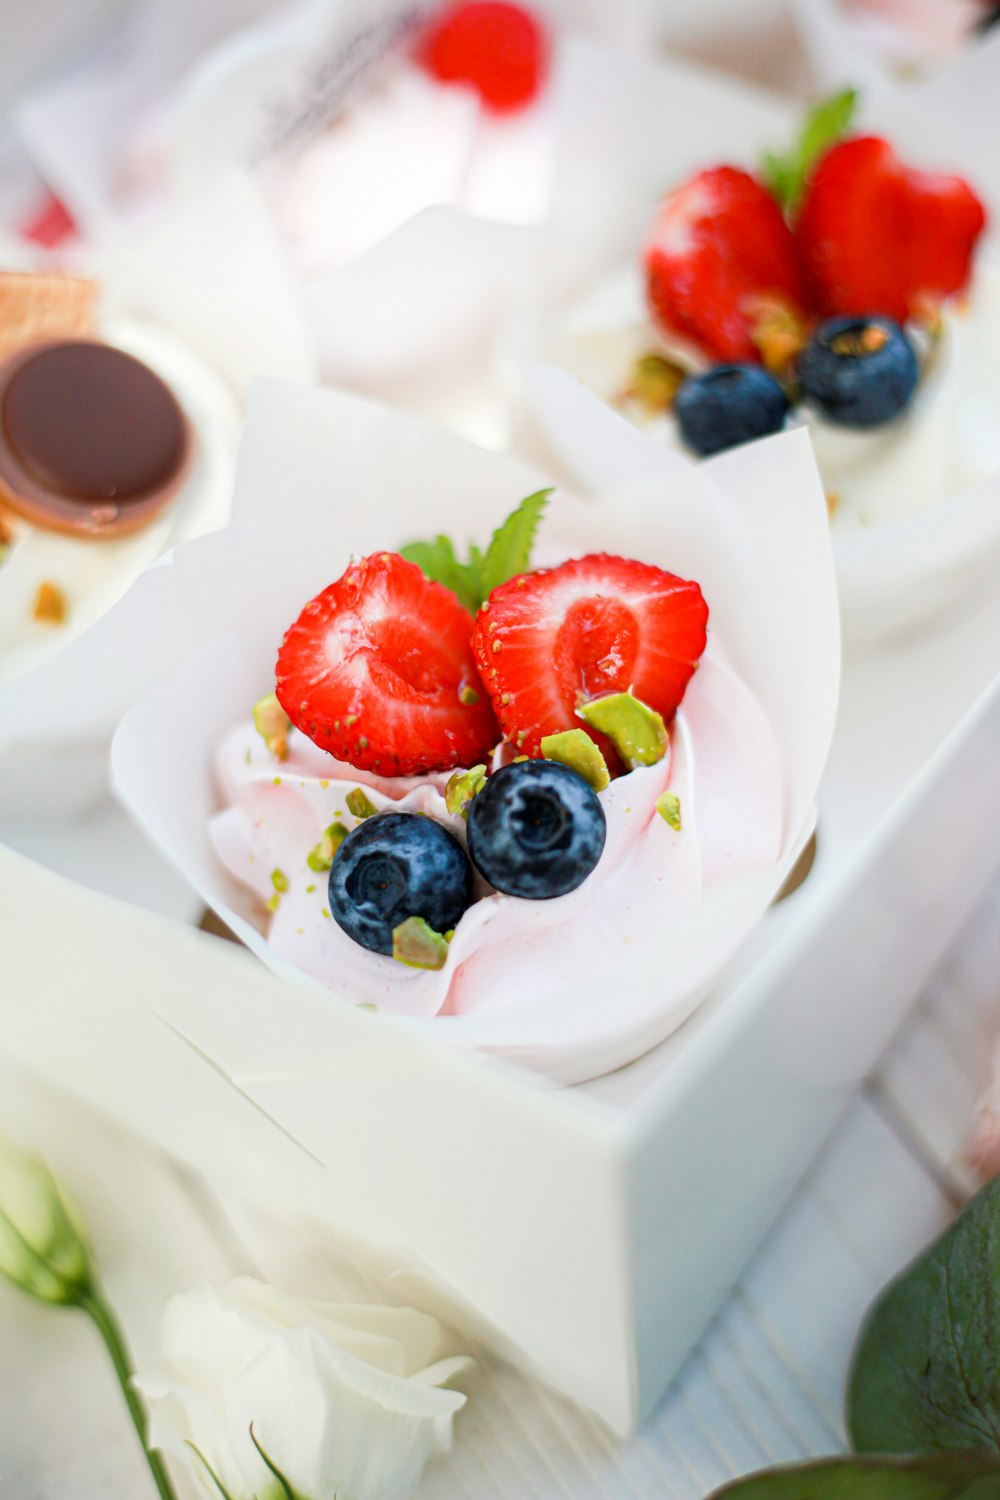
[(279, 880), (668, 805), (359, 805), (272, 724), (637, 731), (416, 944), (461, 789), (274, 902), (468, 695), (654, 384), (574, 748), (310, 889), (321, 857), (50, 606)]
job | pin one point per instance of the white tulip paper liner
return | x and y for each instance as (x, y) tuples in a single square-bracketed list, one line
[(664, 123), (841, 51), (322, 476)]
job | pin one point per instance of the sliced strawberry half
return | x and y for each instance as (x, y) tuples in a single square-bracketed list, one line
[(547, 641), (876, 236), (378, 670), (720, 251), (497, 48)]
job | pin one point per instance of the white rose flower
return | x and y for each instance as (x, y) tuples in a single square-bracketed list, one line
[(344, 1403)]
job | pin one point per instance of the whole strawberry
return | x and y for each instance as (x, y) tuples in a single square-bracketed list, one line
[(875, 236), (719, 254), (378, 670)]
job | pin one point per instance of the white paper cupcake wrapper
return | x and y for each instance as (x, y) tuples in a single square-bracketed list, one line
[(323, 476)]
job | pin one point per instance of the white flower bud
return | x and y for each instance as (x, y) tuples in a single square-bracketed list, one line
[(44, 1246)]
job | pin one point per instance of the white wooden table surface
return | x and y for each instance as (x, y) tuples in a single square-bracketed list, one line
[(764, 1386)]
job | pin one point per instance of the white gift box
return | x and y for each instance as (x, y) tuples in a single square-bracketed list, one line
[(588, 1232)]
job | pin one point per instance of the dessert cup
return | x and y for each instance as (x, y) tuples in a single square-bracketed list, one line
[(64, 682), (915, 515), (402, 224), (753, 532)]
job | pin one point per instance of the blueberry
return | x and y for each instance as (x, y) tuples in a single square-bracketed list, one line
[(859, 372), (394, 866), (728, 405), (536, 829)]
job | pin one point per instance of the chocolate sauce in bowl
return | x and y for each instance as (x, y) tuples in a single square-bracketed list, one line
[(91, 441)]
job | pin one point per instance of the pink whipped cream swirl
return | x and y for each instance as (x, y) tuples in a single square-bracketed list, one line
[(724, 765)]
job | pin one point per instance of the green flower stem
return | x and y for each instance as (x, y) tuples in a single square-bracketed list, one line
[(104, 1318)]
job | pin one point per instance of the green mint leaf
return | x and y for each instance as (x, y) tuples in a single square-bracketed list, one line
[(509, 552), (955, 1477), (437, 561), (925, 1375), (785, 174)]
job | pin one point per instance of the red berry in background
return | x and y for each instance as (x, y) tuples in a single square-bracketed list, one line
[(875, 236), (720, 251), (596, 625), (498, 49), (378, 669), (50, 224)]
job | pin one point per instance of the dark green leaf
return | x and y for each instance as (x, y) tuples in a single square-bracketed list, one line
[(956, 1477), (509, 552), (786, 174), (926, 1370), (437, 560)]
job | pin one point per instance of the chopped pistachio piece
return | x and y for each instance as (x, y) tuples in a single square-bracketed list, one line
[(418, 946), (359, 805), (468, 696), (636, 731), (321, 857), (50, 606), (655, 382), (462, 787), (279, 880), (575, 748), (778, 333), (272, 724), (668, 805), (274, 902)]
